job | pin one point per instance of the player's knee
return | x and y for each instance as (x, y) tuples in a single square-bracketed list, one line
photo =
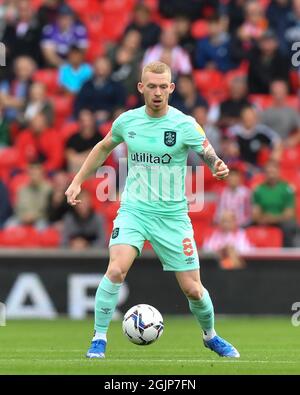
[(194, 292), (116, 274)]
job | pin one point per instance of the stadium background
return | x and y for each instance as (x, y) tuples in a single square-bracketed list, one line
[(36, 260)]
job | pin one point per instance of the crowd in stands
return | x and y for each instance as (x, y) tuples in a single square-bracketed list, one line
[(72, 67)]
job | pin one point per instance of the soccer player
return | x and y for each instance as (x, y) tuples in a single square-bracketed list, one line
[(158, 138)]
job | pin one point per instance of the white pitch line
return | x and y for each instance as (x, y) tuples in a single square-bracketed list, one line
[(152, 361)]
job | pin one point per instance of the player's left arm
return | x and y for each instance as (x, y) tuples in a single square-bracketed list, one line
[(196, 139), (211, 159)]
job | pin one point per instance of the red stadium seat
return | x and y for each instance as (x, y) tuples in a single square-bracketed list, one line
[(63, 107), (264, 3), (152, 4), (294, 78), (35, 4), (49, 77), (256, 180), (94, 25), (109, 211), (265, 236), (113, 25), (68, 129), (82, 7), (199, 28), (205, 215), (49, 237), (20, 236), (290, 158), (211, 84), (202, 231), (8, 158), (293, 102), (92, 185), (292, 176), (261, 101), (94, 50), (230, 75), (121, 6)]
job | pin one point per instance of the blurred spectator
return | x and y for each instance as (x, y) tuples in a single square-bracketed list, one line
[(278, 14), (37, 102), (126, 58), (60, 36), (14, 92), (79, 144), (251, 30), (169, 51), (274, 204), (8, 14), (58, 205), (230, 109), (192, 9), (82, 226), (22, 37), (235, 12), (186, 96), (100, 94), (292, 31), (213, 51), (255, 22), (48, 12), (141, 22), (39, 142), (280, 117), (235, 197), (4, 128), (230, 151), (213, 133), (5, 206), (266, 64), (200, 113), (228, 241), (182, 26), (253, 136), (75, 72), (32, 200)]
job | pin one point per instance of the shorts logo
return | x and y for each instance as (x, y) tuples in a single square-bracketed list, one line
[(187, 247), (115, 233), (170, 138), (190, 260)]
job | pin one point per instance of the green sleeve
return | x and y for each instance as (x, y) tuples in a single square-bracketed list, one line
[(290, 197), (117, 130), (256, 196), (194, 135)]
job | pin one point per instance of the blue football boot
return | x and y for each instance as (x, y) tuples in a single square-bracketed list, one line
[(221, 347), (97, 349)]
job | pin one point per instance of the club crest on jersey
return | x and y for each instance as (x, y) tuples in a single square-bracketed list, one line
[(170, 138), (115, 233)]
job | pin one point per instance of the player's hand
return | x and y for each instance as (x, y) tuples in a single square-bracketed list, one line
[(220, 170), (72, 192)]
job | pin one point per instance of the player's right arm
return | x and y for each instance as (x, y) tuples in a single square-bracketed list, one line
[(96, 158)]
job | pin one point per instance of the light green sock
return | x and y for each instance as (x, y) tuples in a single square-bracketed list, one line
[(203, 311), (105, 303)]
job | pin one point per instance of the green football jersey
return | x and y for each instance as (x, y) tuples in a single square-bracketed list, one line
[(157, 156)]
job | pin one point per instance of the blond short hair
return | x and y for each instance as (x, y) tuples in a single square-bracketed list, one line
[(157, 68)]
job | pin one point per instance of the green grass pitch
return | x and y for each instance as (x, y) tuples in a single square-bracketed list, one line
[(267, 346)]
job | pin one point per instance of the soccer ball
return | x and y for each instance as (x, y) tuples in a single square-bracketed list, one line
[(143, 324)]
